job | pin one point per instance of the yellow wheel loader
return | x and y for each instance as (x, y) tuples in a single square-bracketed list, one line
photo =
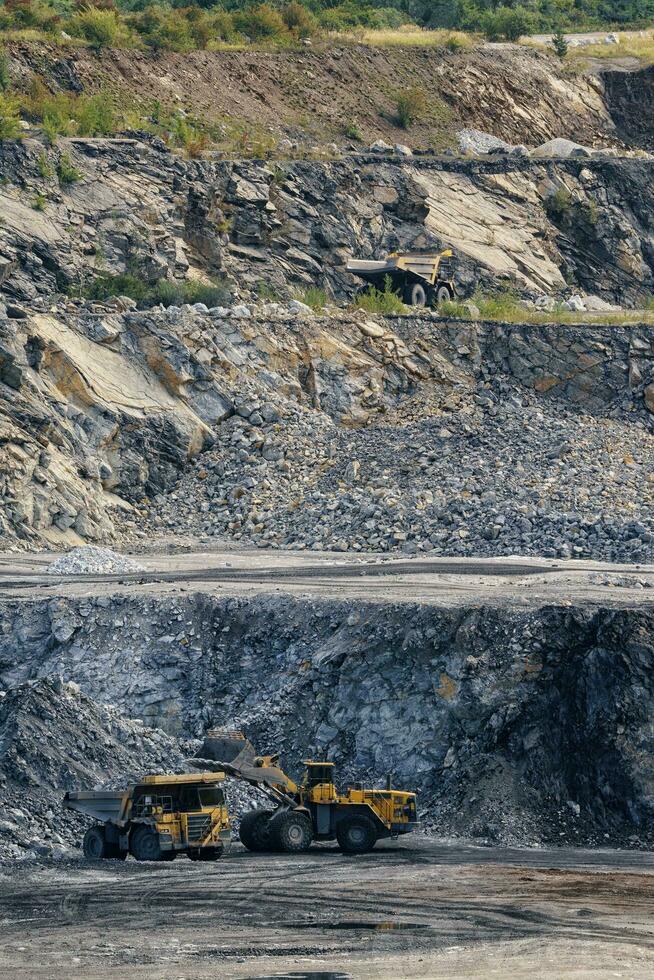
[(312, 809), (157, 818)]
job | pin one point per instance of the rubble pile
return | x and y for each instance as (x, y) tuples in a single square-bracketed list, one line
[(53, 738), (509, 474), (89, 560)]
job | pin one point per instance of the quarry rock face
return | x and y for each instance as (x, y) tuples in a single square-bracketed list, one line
[(342, 431), (512, 724)]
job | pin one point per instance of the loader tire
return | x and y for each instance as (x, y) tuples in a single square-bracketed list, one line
[(145, 845), (291, 832), (415, 295), (254, 831), (94, 845), (206, 854), (114, 853), (356, 835)]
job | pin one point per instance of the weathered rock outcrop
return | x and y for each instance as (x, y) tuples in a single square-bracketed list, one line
[(139, 209)]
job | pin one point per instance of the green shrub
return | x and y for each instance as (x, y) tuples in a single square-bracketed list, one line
[(94, 115), (66, 172), (9, 118), (410, 106), (352, 131), (558, 204), (507, 23), (39, 202), (223, 27), (314, 297), (260, 23), (29, 14), (105, 286), (383, 301), (298, 20), (5, 79), (101, 28), (213, 294), (43, 166), (163, 29), (69, 115)]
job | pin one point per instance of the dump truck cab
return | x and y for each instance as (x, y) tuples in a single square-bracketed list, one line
[(157, 818)]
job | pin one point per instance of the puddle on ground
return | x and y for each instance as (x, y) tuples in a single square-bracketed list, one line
[(354, 924), (305, 976)]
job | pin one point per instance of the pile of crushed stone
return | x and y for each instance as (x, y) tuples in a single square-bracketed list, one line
[(89, 560), (52, 739)]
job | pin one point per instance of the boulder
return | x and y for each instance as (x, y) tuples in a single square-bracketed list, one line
[(560, 148)]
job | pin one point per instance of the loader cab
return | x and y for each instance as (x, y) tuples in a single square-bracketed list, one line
[(318, 781), (318, 772)]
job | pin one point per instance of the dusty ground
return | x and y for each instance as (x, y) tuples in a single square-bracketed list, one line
[(442, 581), (417, 908)]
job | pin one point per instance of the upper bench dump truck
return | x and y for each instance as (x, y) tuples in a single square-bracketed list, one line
[(420, 278), (157, 818), (311, 809)]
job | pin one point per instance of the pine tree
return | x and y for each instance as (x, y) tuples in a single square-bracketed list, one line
[(560, 44)]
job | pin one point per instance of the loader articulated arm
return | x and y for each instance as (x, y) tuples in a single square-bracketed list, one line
[(235, 755), (270, 779)]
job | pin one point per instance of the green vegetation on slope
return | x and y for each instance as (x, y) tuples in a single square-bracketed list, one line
[(180, 25)]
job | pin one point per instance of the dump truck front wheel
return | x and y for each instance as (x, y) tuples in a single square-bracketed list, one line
[(94, 845), (414, 294), (145, 845), (443, 295), (254, 831), (356, 835), (291, 832)]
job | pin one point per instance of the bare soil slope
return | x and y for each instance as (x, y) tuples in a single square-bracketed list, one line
[(518, 94)]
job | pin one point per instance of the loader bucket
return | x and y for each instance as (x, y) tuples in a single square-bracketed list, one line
[(226, 746)]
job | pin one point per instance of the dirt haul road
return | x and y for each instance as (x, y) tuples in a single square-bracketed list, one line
[(440, 581), (417, 908)]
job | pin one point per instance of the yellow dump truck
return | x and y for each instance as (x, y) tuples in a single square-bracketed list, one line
[(420, 278), (311, 809), (157, 818)]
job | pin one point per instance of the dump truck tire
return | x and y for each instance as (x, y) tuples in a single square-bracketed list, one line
[(356, 835), (443, 295), (144, 845), (291, 832), (94, 844), (415, 295), (254, 831)]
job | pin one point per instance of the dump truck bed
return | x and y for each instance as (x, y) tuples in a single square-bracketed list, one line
[(102, 806), (411, 266)]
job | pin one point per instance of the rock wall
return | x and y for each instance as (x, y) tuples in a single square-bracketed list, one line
[(280, 227), (630, 101), (517, 724)]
